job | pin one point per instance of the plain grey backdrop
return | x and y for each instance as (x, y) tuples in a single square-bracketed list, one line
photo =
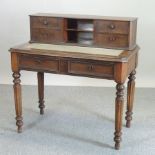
[(14, 30)]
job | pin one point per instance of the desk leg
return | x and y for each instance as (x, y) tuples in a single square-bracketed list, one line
[(18, 100), (130, 98), (118, 114), (41, 91)]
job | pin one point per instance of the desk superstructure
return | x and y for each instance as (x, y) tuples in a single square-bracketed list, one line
[(91, 46)]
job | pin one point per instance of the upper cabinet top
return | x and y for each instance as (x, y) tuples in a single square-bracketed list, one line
[(78, 16)]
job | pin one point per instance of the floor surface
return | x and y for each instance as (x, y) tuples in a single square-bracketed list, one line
[(77, 121)]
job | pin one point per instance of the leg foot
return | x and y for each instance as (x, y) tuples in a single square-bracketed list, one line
[(19, 123), (41, 106), (117, 140)]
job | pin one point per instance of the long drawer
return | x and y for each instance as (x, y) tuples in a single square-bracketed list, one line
[(91, 68), (36, 62)]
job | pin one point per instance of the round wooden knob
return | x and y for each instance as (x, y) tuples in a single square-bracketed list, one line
[(45, 22), (112, 26)]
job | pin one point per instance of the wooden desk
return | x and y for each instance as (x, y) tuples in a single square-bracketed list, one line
[(112, 67)]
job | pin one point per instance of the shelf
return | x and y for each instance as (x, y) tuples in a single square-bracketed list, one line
[(82, 42), (80, 30)]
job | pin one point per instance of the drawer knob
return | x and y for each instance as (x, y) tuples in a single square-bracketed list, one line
[(45, 22), (112, 26), (112, 38), (38, 61), (90, 67)]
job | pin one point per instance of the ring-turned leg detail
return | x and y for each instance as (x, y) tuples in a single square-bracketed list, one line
[(41, 91), (130, 98), (118, 114), (18, 101)]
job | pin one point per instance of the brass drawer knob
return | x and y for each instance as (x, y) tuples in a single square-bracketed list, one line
[(111, 26)]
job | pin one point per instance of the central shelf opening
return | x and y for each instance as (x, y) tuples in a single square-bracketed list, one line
[(79, 31)]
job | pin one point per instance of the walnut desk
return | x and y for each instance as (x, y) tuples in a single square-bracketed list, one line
[(92, 62)]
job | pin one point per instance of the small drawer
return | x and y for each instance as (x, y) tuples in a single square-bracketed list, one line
[(107, 26), (36, 62), (91, 69), (44, 22), (46, 35), (111, 40)]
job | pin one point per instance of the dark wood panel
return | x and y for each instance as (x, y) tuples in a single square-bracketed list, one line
[(133, 34), (46, 35), (90, 68), (110, 26), (36, 62), (111, 40)]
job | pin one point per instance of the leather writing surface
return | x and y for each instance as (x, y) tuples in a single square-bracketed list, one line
[(77, 49)]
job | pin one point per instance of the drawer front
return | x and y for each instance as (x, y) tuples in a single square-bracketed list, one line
[(38, 63), (91, 69), (46, 35), (46, 22), (111, 40), (107, 26)]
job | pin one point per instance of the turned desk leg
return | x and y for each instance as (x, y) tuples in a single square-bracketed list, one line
[(118, 114), (41, 91), (130, 98), (18, 101)]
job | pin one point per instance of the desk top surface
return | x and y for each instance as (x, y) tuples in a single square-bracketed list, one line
[(75, 51)]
